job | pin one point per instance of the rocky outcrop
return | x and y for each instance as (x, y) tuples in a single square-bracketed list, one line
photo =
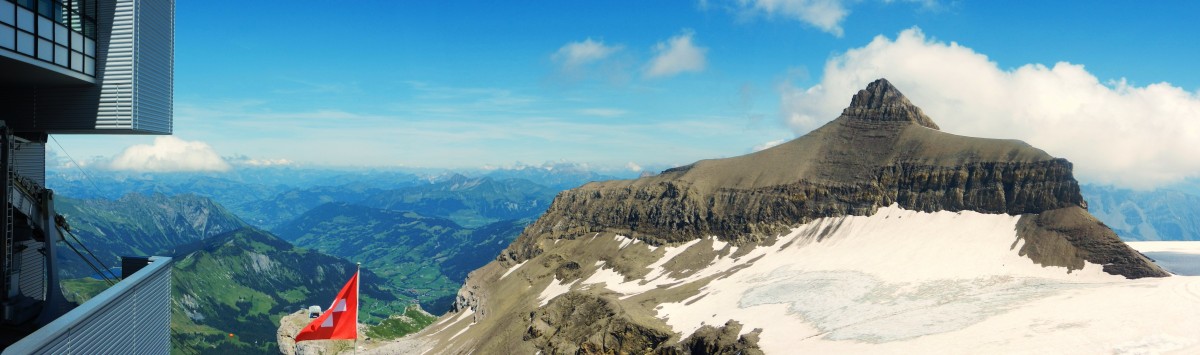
[(291, 324), (1069, 236), (723, 340), (579, 323), (881, 101)]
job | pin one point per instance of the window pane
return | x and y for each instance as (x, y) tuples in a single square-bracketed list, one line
[(89, 66), (45, 8), (45, 28), (8, 37), (60, 34), (25, 43), (25, 19), (89, 47), (6, 13), (45, 50), (76, 41), (60, 55), (76, 61)]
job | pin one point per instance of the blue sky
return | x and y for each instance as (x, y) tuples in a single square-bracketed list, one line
[(464, 84)]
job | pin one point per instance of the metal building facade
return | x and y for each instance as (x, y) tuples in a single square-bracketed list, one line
[(136, 87), (132, 86), (132, 317)]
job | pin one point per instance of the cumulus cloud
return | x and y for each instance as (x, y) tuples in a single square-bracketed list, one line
[(633, 167), (575, 54), (1115, 132), (679, 54), (169, 154), (826, 15)]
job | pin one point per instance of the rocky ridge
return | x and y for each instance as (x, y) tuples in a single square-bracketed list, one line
[(882, 151)]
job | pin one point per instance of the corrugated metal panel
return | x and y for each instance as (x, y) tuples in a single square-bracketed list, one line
[(33, 271), (136, 90), (133, 317), (29, 160)]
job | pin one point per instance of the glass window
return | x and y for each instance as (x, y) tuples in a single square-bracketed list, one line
[(25, 43), (89, 47), (45, 50), (8, 37), (25, 19), (57, 12), (89, 66), (60, 34), (46, 8), (76, 41), (6, 13), (76, 61), (60, 55), (45, 28)]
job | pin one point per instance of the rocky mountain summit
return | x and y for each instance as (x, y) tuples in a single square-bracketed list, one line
[(876, 228), (882, 150)]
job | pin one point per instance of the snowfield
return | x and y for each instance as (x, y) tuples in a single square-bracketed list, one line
[(902, 281)]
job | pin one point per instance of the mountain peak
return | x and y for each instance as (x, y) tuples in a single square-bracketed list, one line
[(881, 101)]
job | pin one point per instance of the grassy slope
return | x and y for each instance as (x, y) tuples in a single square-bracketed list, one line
[(244, 281)]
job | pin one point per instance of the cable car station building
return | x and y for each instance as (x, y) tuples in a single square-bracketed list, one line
[(76, 67)]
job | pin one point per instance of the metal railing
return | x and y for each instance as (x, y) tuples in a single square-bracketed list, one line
[(132, 317)]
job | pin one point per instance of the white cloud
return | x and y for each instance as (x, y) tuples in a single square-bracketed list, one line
[(633, 167), (169, 154), (576, 54), (677, 55), (1113, 132), (826, 15), (766, 145)]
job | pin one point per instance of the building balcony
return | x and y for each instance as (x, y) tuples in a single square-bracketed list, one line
[(131, 317)]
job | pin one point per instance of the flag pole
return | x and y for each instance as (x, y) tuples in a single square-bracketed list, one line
[(357, 299)]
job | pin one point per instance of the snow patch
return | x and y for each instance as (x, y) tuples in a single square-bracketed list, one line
[(554, 289), (625, 241), (513, 268)]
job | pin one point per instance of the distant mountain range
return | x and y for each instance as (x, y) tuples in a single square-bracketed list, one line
[(138, 225), (1164, 214), (418, 256), (268, 198)]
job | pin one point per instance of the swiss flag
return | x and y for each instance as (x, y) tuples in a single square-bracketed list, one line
[(340, 321)]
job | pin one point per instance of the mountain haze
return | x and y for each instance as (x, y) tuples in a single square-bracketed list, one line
[(470, 202)]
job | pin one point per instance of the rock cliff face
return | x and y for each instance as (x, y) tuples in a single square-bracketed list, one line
[(882, 157)]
